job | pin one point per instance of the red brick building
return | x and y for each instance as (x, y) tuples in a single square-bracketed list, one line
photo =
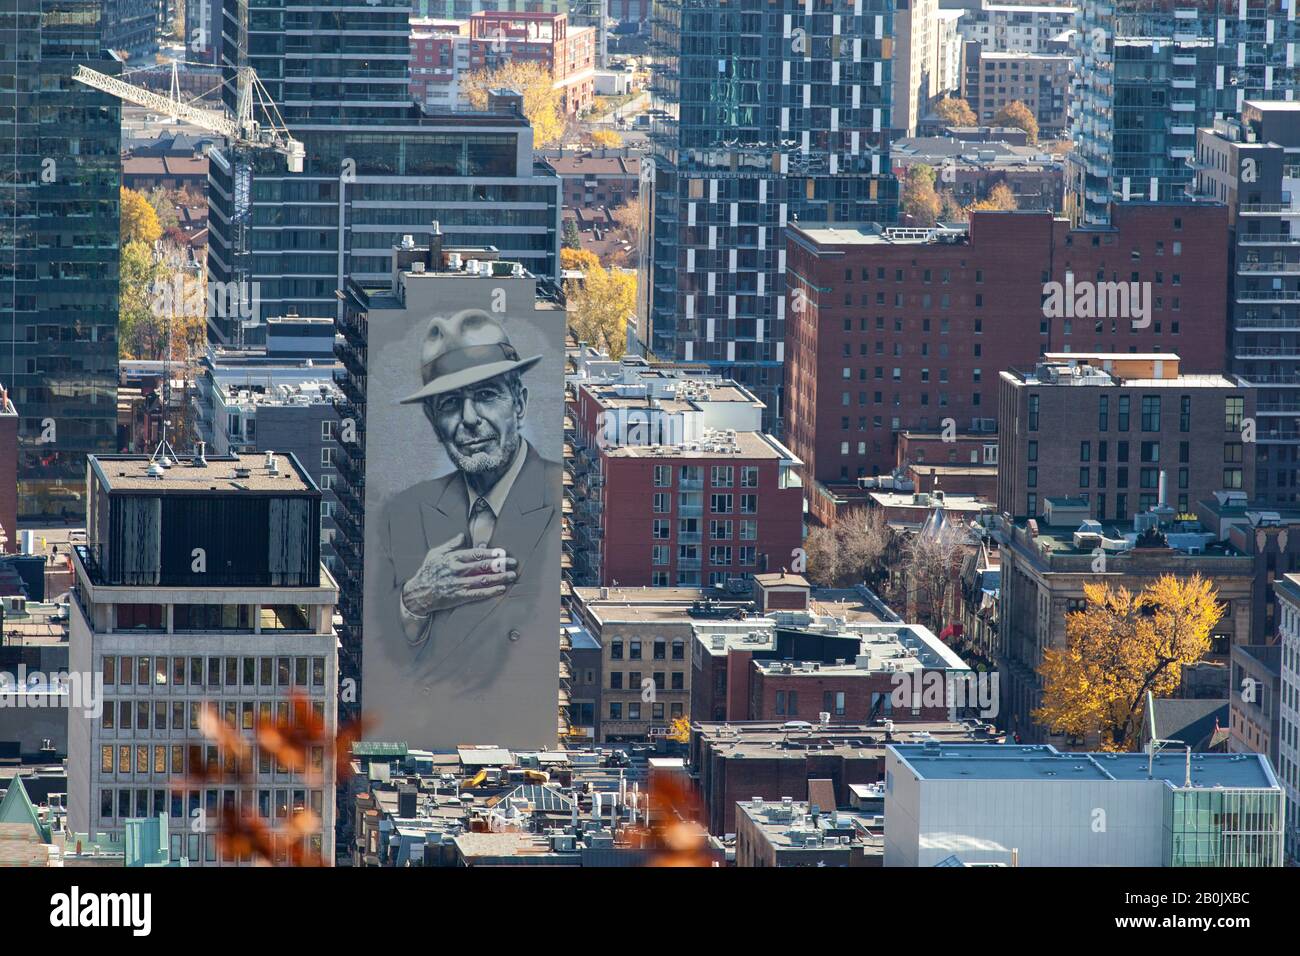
[(906, 329), (675, 484), (569, 52), (439, 54)]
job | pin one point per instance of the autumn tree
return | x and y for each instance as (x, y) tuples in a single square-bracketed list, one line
[(679, 730), (932, 560), (139, 222), (955, 111), (580, 260), (1016, 114), (606, 138), (950, 208), (919, 200), (598, 308), (999, 199), (543, 103), (1121, 646), (848, 552)]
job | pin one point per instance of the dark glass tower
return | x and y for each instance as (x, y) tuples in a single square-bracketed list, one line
[(775, 111), (59, 145), (377, 167)]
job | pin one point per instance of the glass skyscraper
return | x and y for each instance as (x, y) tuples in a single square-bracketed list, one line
[(377, 167), (774, 111), (1150, 73), (59, 146)]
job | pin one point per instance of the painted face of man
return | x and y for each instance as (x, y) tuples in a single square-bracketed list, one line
[(479, 424)]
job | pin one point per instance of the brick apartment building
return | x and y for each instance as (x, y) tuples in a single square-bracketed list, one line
[(1039, 80), (569, 52), (899, 329), (596, 177), (439, 59), (1104, 428), (675, 485)]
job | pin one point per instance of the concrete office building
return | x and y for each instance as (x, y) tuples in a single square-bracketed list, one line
[(200, 584), (1034, 806), (1249, 165)]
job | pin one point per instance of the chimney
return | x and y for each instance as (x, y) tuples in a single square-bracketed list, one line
[(1164, 500), (199, 459), (435, 246), (271, 465)]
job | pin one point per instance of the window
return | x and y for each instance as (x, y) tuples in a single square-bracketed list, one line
[(615, 650), (662, 529), (748, 530), (720, 530), (327, 430), (749, 504), (1234, 409), (1103, 413), (660, 649), (1151, 452), (634, 651), (1232, 452), (663, 476), (1123, 413), (615, 680), (1185, 413), (1085, 451), (1033, 413), (659, 554), (327, 457), (661, 503), (1151, 413), (721, 476), (749, 476), (615, 710), (720, 504), (1032, 451)]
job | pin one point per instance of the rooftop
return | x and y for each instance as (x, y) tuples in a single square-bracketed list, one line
[(1044, 762), (794, 740), (233, 472)]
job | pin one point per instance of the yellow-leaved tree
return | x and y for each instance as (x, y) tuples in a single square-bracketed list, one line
[(580, 260), (1122, 645), (606, 137), (680, 730), (139, 222), (1020, 116), (543, 103), (599, 306), (999, 199)]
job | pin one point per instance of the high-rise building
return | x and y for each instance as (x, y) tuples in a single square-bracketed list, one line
[(386, 457), (1149, 75), (131, 27), (916, 64), (1249, 165), (200, 586), (774, 113), (377, 166), (1288, 759), (58, 247), (1012, 27)]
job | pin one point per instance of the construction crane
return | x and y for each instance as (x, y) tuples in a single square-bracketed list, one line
[(243, 131)]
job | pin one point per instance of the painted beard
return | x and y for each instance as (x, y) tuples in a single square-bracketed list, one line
[(487, 460)]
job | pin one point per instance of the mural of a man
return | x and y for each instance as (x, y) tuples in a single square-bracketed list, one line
[(466, 554)]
